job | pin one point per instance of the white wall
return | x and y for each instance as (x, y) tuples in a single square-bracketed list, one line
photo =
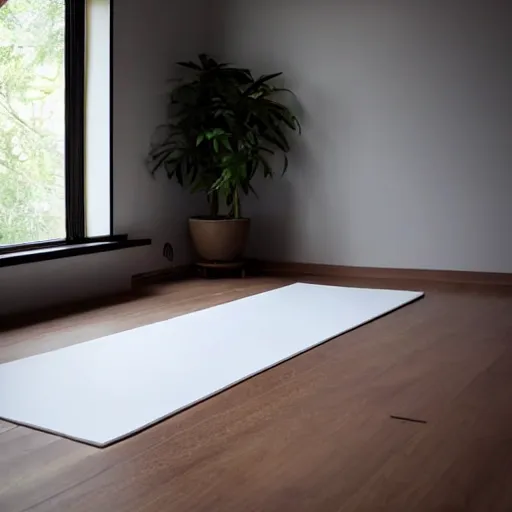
[(39, 285), (406, 156), (149, 36)]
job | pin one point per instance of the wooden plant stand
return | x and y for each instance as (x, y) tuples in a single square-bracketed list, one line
[(215, 269)]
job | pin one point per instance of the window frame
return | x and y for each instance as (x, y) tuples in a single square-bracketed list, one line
[(74, 48), (74, 143)]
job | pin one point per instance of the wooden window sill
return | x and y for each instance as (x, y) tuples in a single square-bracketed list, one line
[(67, 250)]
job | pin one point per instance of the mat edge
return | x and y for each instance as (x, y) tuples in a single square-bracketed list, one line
[(101, 445)]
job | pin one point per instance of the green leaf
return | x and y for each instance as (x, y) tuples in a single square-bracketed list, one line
[(267, 170), (227, 106), (218, 131), (258, 83), (282, 89), (206, 61), (189, 65), (285, 168), (225, 142), (273, 140)]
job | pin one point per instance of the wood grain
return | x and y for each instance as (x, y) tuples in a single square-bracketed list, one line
[(313, 434), (340, 271)]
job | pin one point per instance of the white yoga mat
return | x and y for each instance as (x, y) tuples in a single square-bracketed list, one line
[(104, 390)]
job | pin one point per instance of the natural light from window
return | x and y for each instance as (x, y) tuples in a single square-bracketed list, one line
[(47, 195), (97, 118), (32, 121)]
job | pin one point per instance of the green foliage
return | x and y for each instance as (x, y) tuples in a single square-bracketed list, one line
[(31, 120), (221, 123)]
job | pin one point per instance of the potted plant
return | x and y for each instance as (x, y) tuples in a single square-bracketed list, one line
[(222, 126)]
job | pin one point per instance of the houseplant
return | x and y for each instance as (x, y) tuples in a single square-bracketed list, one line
[(222, 126)]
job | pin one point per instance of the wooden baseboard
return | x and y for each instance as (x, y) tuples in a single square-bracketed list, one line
[(340, 271), (439, 276)]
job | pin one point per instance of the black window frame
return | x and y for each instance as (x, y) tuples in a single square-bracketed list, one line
[(75, 75), (75, 120)]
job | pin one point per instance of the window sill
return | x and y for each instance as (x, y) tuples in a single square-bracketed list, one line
[(68, 250)]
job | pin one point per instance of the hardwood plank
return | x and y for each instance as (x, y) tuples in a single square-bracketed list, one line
[(462, 461), (60, 332), (314, 433)]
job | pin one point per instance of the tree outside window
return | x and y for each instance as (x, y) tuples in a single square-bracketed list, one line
[(32, 121)]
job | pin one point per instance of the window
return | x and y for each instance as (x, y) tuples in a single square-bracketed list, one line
[(55, 136)]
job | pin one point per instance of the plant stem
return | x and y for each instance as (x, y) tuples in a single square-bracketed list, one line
[(236, 204), (214, 203)]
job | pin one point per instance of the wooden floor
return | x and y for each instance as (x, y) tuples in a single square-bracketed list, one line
[(313, 434)]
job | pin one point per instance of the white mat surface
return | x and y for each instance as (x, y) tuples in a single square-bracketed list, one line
[(104, 390)]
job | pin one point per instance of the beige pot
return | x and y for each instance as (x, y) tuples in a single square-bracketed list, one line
[(219, 240)]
